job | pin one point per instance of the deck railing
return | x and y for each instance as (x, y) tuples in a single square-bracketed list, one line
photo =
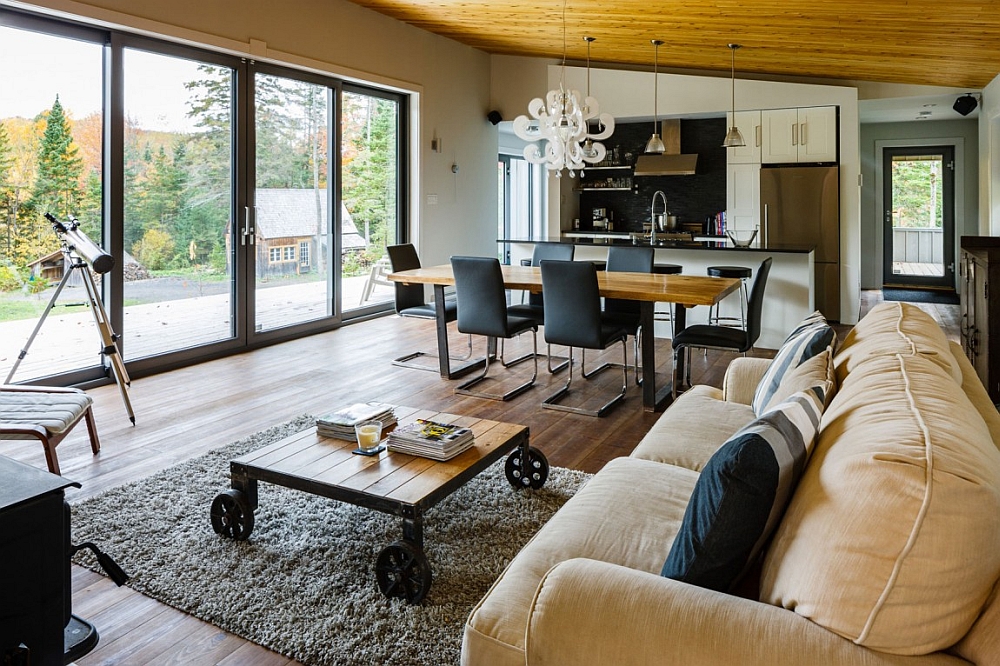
[(917, 245)]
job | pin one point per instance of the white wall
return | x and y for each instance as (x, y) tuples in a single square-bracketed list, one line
[(989, 160), (962, 134), (628, 95), (450, 83)]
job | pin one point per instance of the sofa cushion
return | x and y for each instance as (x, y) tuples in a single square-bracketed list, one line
[(892, 328), (892, 538), (742, 493), (693, 428), (810, 372), (809, 338), (627, 514)]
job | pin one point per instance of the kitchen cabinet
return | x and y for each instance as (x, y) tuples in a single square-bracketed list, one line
[(748, 122), (743, 196), (979, 285), (799, 135)]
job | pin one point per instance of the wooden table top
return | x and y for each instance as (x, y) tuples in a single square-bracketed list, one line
[(314, 460), (687, 290)]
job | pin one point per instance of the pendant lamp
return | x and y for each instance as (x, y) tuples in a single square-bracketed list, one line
[(733, 137), (655, 143), (562, 121)]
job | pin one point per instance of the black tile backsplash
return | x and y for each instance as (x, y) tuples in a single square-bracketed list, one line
[(690, 198)]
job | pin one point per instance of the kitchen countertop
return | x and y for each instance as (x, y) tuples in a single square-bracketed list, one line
[(586, 238)]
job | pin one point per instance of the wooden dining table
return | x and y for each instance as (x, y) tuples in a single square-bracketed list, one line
[(683, 291)]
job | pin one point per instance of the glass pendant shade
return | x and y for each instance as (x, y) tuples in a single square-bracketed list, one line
[(655, 143), (734, 139)]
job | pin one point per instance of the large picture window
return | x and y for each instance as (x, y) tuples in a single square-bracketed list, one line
[(240, 201)]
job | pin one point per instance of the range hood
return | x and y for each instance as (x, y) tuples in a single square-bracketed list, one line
[(671, 162)]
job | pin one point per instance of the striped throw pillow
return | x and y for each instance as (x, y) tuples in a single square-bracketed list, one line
[(809, 338), (742, 493)]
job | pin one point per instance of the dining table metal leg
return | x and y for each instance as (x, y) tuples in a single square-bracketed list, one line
[(653, 400), (444, 358)]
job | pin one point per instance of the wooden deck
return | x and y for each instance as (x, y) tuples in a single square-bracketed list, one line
[(69, 339), (914, 268), (186, 412)]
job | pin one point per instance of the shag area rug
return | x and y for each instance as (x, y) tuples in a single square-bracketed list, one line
[(304, 583)]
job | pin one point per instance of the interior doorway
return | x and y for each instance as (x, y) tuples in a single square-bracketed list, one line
[(919, 217)]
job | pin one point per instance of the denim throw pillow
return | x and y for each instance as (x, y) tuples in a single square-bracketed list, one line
[(742, 493)]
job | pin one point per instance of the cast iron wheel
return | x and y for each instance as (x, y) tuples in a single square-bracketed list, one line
[(402, 571), (231, 515), (527, 474)]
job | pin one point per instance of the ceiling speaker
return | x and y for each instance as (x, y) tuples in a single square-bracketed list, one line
[(965, 104), (495, 117)]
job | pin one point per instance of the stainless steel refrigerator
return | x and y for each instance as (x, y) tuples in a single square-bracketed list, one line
[(800, 205)]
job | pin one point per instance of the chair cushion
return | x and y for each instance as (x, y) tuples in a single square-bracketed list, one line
[(427, 311), (892, 539), (704, 335), (535, 312), (809, 338), (56, 412), (742, 493)]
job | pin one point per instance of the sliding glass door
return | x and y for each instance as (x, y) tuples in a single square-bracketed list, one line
[(371, 152), (289, 228), (179, 136), (243, 203), (52, 120)]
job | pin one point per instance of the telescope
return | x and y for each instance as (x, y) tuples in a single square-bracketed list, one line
[(80, 244)]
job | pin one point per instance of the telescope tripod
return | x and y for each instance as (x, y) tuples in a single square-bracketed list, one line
[(109, 340)]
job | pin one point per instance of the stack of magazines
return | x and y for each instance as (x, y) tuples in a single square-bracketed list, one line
[(340, 424), (430, 439)]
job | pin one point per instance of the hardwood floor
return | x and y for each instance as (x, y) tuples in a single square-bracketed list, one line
[(186, 412)]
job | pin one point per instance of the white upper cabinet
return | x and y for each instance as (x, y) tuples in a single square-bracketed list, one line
[(799, 135), (743, 196), (748, 122)]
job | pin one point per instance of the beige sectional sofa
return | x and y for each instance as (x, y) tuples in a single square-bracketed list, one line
[(888, 552)]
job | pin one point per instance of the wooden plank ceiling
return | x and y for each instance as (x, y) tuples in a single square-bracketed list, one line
[(933, 42)]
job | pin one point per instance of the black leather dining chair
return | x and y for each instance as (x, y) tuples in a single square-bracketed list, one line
[(483, 310), (534, 308), (410, 302), (628, 259), (573, 318), (713, 336)]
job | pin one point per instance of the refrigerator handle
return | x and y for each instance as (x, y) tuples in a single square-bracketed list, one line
[(795, 134), (765, 226), (802, 134)]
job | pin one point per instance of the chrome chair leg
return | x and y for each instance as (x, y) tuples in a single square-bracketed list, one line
[(552, 401), (406, 361), (465, 388)]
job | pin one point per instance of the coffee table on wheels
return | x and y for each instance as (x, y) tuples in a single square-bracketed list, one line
[(396, 483)]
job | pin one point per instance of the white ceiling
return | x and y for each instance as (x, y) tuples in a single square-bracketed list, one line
[(907, 109)]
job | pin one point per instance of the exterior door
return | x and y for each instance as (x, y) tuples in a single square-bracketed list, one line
[(919, 217)]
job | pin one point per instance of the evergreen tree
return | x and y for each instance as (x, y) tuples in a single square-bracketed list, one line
[(59, 167), (6, 194)]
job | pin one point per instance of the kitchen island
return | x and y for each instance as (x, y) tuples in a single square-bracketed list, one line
[(788, 297)]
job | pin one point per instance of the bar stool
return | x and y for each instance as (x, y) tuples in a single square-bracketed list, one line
[(743, 273), (668, 313)]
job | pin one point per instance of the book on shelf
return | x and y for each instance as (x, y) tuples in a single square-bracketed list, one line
[(431, 439), (340, 423)]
